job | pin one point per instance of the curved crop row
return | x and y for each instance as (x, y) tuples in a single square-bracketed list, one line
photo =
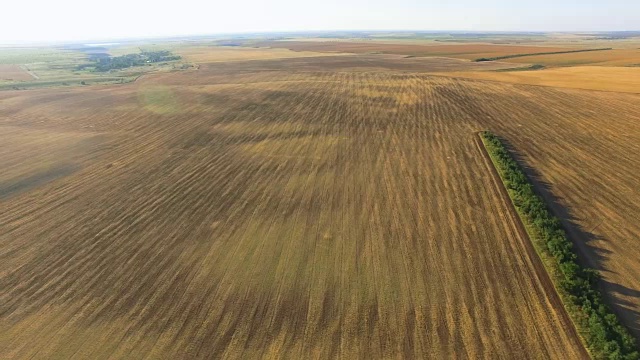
[(605, 337)]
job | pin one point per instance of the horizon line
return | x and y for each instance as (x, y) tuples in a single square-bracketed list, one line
[(301, 32)]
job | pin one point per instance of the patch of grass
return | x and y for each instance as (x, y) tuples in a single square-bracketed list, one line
[(605, 337), (53, 67), (159, 100)]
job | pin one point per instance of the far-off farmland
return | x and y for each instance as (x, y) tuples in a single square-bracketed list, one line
[(275, 203)]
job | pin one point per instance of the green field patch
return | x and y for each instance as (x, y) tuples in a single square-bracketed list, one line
[(159, 100)]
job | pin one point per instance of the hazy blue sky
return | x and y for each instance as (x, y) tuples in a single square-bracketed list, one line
[(47, 20)]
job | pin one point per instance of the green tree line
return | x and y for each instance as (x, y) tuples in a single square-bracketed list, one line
[(605, 337)]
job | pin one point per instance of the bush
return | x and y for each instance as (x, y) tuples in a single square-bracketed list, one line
[(604, 335)]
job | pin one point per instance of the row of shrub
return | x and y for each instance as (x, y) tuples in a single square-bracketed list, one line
[(605, 337), (542, 53)]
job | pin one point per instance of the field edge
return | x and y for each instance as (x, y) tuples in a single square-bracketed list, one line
[(585, 320)]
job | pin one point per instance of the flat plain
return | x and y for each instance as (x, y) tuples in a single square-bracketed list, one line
[(469, 51), (330, 206), (28, 67), (212, 53)]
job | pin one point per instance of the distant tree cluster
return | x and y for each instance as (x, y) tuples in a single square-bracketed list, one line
[(159, 56), (606, 338), (126, 61)]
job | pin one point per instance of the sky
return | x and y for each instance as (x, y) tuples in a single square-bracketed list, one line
[(77, 20)]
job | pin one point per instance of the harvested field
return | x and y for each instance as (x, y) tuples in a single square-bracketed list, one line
[(514, 56), (583, 149), (227, 72), (11, 72), (206, 54), (615, 57), (618, 79), (577, 285), (465, 51), (287, 213)]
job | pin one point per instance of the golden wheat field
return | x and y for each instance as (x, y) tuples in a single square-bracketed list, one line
[(311, 207)]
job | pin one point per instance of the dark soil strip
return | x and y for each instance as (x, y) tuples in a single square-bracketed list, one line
[(15, 186)]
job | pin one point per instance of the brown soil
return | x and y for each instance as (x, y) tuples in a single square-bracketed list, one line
[(14, 73)]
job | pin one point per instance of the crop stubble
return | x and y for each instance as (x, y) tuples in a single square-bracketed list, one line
[(463, 51), (12, 72), (277, 213)]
